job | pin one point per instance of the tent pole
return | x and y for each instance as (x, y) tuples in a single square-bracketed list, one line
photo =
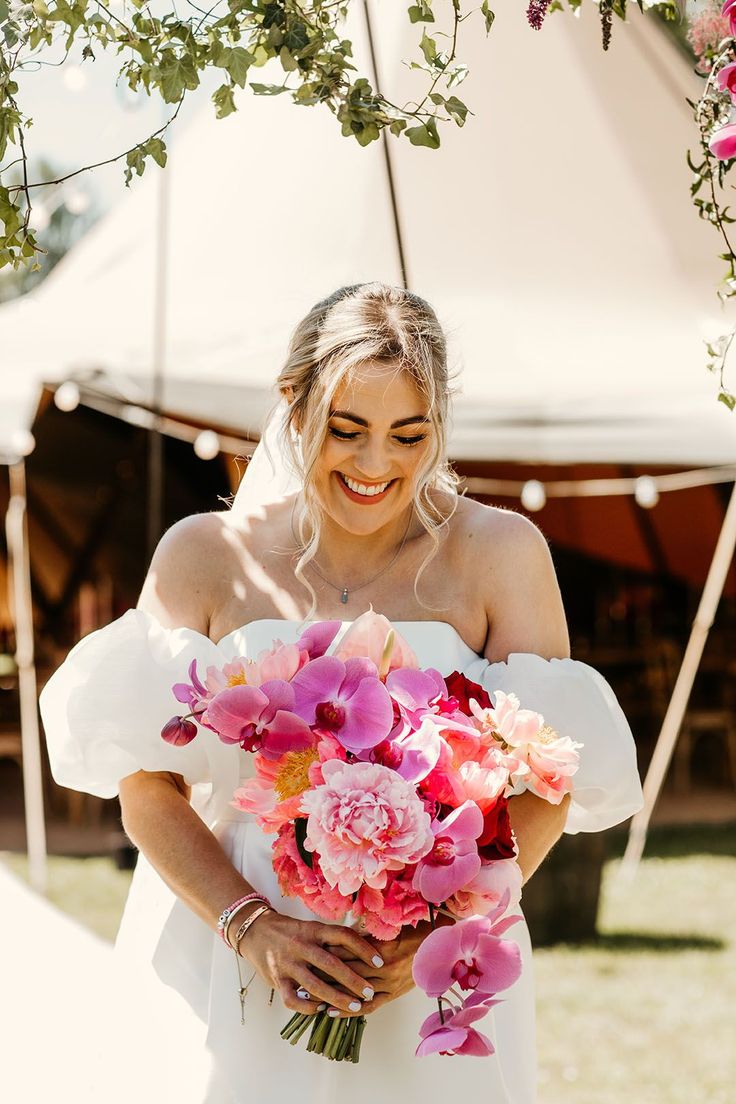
[(387, 156), (667, 739), (22, 606), (155, 434)]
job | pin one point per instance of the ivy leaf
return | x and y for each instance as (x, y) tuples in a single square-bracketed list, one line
[(176, 75), (156, 149), (268, 89), (727, 399), (237, 64), (224, 101), (421, 13), (428, 46), (488, 15), (3, 11), (424, 135), (457, 110)]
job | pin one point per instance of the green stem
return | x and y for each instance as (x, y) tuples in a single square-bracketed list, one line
[(361, 1021)]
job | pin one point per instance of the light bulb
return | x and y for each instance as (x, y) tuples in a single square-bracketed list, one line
[(22, 442), (533, 495), (206, 445), (646, 492), (66, 396)]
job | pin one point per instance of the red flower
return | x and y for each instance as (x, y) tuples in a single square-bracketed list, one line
[(497, 839), (462, 689)]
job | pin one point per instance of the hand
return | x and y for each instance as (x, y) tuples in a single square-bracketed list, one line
[(394, 978), (292, 955)]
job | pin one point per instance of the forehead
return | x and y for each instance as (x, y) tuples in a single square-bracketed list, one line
[(374, 391)]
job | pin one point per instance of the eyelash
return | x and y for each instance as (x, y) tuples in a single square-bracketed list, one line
[(341, 435)]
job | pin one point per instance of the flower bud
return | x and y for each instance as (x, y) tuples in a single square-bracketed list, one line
[(178, 731)]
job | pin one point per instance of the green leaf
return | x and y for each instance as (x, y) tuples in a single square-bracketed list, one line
[(727, 399), (300, 834), (457, 110), (156, 149), (287, 59), (488, 15), (3, 11), (175, 75), (224, 101), (424, 135), (421, 13), (238, 63), (268, 89), (428, 46)]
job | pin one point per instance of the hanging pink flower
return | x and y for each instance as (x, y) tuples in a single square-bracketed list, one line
[(470, 954), (496, 882), (726, 77), (363, 822), (728, 11), (453, 860), (347, 700), (722, 143), (179, 731), (453, 1033)]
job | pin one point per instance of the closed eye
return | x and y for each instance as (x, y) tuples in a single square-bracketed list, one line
[(344, 435), (411, 440)]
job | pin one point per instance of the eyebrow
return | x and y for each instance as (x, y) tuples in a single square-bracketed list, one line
[(362, 422)]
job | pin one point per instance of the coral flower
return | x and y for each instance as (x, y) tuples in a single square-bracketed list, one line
[(453, 860), (452, 1032), (348, 700), (469, 953)]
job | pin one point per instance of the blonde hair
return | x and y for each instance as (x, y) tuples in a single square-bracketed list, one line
[(357, 324)]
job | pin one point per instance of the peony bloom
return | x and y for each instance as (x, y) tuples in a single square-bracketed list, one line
[(367, 636), (550, 761), (260, 719), (453, 860), (383, 912), (469, 953), (483, 782), (495, 883), (722, 143), (363, 822), (232, 674), (296, 879), (346, 700), (456, 1035)]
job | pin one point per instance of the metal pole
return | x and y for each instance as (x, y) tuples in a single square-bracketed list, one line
[(155, 436), (678, 704), (22, 606)]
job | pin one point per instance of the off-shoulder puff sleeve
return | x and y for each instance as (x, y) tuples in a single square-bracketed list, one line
[(577, 702), (104, 707)]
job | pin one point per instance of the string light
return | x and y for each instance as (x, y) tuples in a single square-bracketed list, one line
[(66, 397), (22, 442), (533, 495), (207, 445), (646, 492)]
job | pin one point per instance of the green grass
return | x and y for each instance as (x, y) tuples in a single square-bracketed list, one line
[(644, 1015)]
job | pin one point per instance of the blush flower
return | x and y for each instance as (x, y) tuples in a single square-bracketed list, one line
[(259, 719), (470, 954), (347, 700), (722, 143), (453, 1033), (367, 636), (453, 860), (363, 822), (495, 883)]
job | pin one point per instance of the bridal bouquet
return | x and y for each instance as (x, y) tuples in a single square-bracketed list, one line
[(386, 788)]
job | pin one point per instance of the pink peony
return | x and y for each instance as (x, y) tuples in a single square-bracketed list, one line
[(488, 889), (384, 912), (363, 822), (296, 879)]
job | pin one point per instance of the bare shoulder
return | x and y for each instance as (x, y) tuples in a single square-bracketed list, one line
[(507, 561), (184, 578)]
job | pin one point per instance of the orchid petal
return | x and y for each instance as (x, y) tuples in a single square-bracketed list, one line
[(317, 638), (318, 681)]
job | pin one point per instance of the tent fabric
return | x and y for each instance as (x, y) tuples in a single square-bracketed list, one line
[(553, 233)]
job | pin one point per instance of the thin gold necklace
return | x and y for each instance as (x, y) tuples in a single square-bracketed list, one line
[(345, 592)]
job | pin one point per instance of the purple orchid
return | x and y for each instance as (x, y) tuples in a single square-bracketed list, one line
[(412, 755), (194, 693), (469, 953), (454, 860), (452, 1032), (345, 699), (415, 694), (317, 638), (260, 719)]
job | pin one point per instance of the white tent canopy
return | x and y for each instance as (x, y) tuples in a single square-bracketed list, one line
[(554, 234)]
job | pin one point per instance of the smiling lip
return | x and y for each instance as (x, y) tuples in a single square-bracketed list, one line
[(364, 500)]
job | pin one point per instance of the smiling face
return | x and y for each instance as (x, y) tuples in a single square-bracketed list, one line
[(378, 436)]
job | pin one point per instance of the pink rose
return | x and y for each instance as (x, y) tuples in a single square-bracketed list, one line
[(363, 822)]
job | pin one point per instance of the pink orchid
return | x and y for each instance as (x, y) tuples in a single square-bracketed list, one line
[(453, 860), (452, 1032), (469, 953), (363, 822), (729, 12), (722, 143), (496, 882), (415, 694), (179, 731), (367, 636), (317, 638), (260, 719), (347, 700), (412, 755), (726, 77), (194, 693), (232, 674)]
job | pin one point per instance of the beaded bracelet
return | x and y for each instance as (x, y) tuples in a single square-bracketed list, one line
[(227, 913)]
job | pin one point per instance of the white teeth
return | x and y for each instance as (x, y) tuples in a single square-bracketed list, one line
[(361, 489)]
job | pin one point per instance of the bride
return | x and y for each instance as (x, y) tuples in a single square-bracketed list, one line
[(356, 507)]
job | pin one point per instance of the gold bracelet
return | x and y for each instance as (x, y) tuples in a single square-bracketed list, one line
[(237, 909), (247, 923)]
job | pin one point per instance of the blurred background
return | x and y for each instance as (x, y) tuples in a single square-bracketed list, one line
[(555, 237)]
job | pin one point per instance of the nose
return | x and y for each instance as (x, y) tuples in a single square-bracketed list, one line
[(372, 460)]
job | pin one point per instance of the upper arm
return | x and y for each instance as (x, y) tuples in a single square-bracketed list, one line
[(179, 587), (523, 600)]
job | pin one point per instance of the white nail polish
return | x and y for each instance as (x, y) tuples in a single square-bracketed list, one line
[(333, 1012), (368, 993), (377, 960), (354, 1006), (321, 1007)]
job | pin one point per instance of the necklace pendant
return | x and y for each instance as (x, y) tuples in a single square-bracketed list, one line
[(344, 596)]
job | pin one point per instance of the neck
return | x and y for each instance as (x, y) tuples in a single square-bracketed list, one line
[(347, 559)]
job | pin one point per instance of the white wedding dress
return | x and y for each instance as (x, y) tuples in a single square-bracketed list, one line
[(103, 710)]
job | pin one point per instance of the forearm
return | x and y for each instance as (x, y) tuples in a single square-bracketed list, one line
[(178, 844), (537, 825)]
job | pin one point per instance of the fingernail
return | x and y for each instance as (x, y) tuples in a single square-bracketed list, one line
[(354, 1006), (321, 1007), (368, 993), (333, 1012), (377, 960), (302, 994)]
